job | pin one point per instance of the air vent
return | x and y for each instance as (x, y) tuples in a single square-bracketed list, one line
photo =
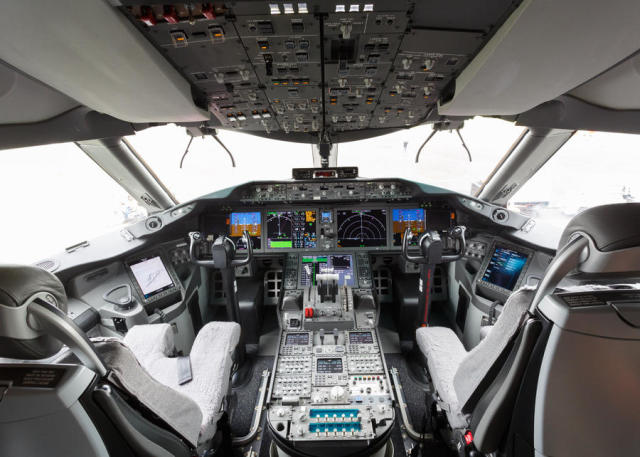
[(49, 264), (153, 223), (272, 286), (500, 215), (382, 284)]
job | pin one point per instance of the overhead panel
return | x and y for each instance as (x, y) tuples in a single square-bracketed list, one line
[(294, 68)]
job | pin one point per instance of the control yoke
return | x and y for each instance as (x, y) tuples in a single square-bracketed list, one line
[(223, 251), (431, 246), (431, 253)]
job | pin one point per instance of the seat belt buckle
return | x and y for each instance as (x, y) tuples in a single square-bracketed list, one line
[(184, 370)]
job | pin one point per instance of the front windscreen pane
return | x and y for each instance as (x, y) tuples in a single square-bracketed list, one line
[(591, 169)]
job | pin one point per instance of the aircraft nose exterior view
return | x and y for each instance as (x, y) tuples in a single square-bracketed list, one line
[(377, 228)]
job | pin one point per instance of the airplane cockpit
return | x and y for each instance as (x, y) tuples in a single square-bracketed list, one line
[(341, 309)]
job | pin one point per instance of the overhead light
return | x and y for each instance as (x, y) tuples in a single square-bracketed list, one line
[(302, 8), (288, 8), (275, 9), (340, 9), (368, 7), (354, 8)]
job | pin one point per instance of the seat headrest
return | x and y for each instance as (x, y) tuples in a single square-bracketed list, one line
[(611, 227), (20, 337)]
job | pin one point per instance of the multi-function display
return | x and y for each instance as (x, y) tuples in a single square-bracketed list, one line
[(340, 264), (251, 222), (291, 229), (360, 338), (360, 228), (407, 218), (333, 365), (504, 268), (297, 339)]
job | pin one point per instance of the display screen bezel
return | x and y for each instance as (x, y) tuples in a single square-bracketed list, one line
[(337, 360), (383, 209), (257, 239), (265, 230), (503, 292), (354, 266), (290, 339)]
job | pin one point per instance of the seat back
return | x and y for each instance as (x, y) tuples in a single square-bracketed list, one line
[(479, 367)]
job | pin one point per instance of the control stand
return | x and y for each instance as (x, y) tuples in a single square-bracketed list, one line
[(331, 393)]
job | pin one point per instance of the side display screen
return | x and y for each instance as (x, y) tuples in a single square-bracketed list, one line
[(360, 228), (151, 275), (504, 268), (251, 222), (297, 339), (291, 229), (360, 338), (329, 365), (411, 218), (340, 264)]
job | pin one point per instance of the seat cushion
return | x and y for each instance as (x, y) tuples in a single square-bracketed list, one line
[(444, 352), (211, 361), (179, 411)]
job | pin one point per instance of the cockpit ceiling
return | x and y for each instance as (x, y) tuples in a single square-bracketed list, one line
[(262, 67)]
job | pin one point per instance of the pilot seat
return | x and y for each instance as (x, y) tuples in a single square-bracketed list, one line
[(113, 397)]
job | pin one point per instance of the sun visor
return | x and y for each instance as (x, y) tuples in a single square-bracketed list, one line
[(545, 49), (90, 52)]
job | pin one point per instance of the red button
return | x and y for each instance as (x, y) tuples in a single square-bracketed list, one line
[(308, 312), (468, 438)]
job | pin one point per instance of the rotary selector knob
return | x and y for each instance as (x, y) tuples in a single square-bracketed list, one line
[(336, 393)]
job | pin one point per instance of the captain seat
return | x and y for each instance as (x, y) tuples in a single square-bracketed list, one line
[(124, 398), (478, 388)]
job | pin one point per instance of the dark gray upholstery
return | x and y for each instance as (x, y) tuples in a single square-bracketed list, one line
[(18, 283), (611, 227)]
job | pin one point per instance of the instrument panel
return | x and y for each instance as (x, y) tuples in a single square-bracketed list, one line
[(311, 228)]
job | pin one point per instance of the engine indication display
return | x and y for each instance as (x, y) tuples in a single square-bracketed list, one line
[(341, 264), (251, 222), (291, 229), (412, 218), (359, 228)]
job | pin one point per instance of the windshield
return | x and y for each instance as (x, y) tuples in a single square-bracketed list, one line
[(53, 197), (592, 168), (443, 161)]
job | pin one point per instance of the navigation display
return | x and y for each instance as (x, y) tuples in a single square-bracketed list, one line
[(297, 339), (359, 228), (403, 218), (251, 222), (291, 229), (504, 268), (329, 365), (360, 338), (341, 264), (151, 275)]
